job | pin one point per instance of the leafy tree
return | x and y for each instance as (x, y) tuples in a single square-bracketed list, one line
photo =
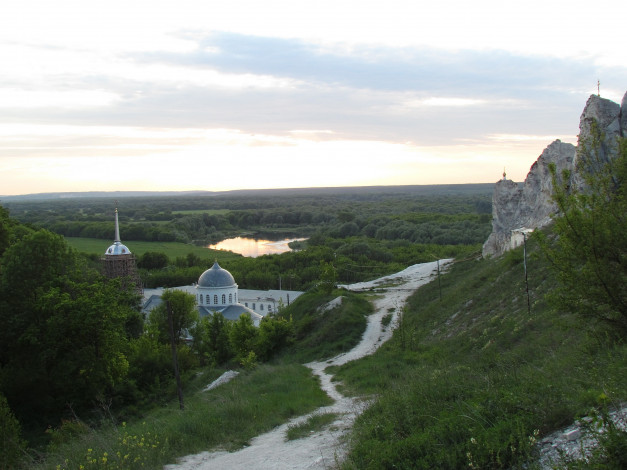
[(152, 260), (211, 338), (184, 315), (4, 229), (243, 335), (328, 276), (590, 252), (11, 444), (62, 330), (274, 333)]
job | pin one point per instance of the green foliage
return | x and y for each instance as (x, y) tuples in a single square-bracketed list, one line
[(127, 451), (152, 260), (243, 336), (12, 446), (63, 330), (328, 277), (184, 316), (590, 251), (275, 332), (321, 333), (211, 339), (227, 417), (420, 214), (4, 229)]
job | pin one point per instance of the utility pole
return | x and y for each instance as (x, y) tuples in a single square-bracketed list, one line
[(525, 265), (175, 360)]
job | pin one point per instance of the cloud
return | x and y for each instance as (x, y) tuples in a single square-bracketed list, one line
[(274, 86), (471, 72)]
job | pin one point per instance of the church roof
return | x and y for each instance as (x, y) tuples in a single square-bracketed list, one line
[(232, 312), (216, 277)]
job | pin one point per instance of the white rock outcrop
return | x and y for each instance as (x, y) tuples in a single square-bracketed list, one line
[(520, 208)]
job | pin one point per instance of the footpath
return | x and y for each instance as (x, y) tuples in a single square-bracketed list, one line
[(326, 448)]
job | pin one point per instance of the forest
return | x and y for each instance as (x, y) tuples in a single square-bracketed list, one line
[(361, 232)]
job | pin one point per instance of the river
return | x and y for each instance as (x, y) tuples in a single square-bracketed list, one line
[(252, 248)]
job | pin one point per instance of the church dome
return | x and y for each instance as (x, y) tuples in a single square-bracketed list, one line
[(216, 277), (117, 249)]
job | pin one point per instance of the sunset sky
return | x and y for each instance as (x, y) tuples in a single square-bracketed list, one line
[(227, 94)]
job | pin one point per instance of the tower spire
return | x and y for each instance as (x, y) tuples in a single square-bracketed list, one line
[(117, 227)]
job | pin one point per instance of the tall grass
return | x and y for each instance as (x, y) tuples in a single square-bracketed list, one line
[(320, 333), (226, 417), (476, 379)]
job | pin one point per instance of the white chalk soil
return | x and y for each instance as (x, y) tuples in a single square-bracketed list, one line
[(326, 448)]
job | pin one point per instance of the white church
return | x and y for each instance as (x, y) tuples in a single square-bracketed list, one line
[(217, 291)]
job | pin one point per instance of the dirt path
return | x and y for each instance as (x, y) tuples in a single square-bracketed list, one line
[(323, 449)]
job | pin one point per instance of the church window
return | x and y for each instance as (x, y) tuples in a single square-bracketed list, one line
[(254, 307), (215, 299), (230, 298), (261, 307), (223, 299)]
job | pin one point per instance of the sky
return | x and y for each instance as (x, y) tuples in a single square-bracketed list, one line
[(227, 94)]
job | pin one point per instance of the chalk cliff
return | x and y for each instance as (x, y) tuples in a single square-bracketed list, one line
[(520, 208)]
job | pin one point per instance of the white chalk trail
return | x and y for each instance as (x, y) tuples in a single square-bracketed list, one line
[(323, 449)]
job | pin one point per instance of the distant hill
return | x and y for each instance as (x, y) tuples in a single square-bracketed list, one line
[(424, 189)]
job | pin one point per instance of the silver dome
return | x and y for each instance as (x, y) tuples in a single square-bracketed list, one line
[(216, 277), (118, 249)]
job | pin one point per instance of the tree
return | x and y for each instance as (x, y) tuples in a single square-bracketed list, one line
[(184, 315), (590, 250), (4, 229), (62, 330), (211, 339), (153, 260), (243, 335), (11, 444), (274, 334)]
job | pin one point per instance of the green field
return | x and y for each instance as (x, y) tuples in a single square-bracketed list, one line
[(172, 249)]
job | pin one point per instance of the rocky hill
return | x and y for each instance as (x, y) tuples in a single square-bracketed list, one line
[(520, 208)]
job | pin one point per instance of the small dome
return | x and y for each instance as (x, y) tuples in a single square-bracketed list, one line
[(117, 249), (216, 277)]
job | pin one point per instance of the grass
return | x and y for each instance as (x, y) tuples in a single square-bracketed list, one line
[(138, 248), (473, 380), (315, 423), (226, 417), (321, 335)]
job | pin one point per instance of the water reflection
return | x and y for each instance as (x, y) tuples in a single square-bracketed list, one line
[(253, 248)]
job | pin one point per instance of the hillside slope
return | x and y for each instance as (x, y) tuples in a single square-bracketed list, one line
[(474, 379)]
